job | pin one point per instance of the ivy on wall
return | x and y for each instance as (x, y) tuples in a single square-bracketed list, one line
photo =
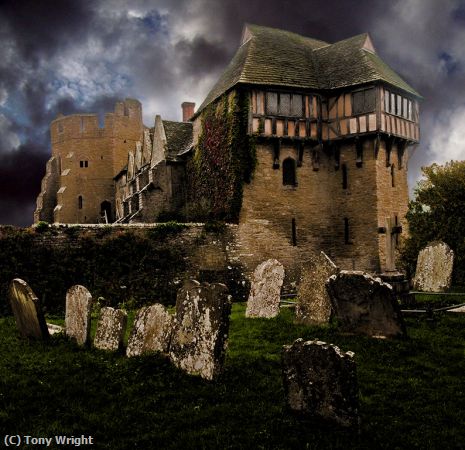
[(223, 161)]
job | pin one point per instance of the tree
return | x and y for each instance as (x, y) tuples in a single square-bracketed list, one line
[(438, 213)]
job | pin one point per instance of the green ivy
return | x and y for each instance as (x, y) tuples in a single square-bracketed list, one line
[(223, 161)]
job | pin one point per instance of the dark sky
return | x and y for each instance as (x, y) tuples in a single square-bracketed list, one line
[(73, 56)]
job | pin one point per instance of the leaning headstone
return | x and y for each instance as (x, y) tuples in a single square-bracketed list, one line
[(151, 331), (320, 381), (313, 303), (199, 339), (110, 329), (78, 312), (434, 268), (365, 305), (27, 311), (265, 290)]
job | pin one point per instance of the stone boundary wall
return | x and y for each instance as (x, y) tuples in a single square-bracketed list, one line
[(212, 254), (182, 251)]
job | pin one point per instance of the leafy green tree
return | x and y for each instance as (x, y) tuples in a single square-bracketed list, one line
[(438, 213)]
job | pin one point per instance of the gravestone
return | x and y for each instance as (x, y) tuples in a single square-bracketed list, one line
[(27, 311), (199, 339), (151, 331), (365, 305), (110, 329), (313, 303), (434, 268), (78, 312), (54, 329), (265, 290), (320, 381)]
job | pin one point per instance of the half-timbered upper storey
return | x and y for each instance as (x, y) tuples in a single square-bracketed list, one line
[(308, 89)]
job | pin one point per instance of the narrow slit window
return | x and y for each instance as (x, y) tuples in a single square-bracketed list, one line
[(344, 176), (359, 154), (294, 232), (80, 202), (393, 172), (337, 158), (346, 231)]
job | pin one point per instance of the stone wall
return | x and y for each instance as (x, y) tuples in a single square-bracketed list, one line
[(137, 263), (322, 209)]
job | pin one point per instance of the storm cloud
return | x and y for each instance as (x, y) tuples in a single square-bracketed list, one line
[(65, 56)]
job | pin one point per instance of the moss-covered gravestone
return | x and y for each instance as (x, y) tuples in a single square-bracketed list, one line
[(110, 329), (434, 268), (265, 290), (320, 381), (200, 334), (365, 305), (27, 311), (151, 331), (313, 302), (78, 314)]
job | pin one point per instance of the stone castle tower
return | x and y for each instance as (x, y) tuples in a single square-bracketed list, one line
[(78, 186)]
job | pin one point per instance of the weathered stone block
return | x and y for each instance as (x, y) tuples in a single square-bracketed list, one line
[(434, 268), (78, 313), (27, 311), (151, 331), (320, 381), (265, 291), (110, 329), (365, 305), (200, 334), (313, 303)]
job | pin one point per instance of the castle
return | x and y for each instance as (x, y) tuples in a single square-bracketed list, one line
[(302, 143)]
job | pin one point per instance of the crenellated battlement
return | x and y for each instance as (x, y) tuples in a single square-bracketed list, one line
[(126, 119)]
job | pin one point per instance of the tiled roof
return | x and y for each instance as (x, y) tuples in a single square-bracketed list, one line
[(348, 63), (275, 57), (178, 137)]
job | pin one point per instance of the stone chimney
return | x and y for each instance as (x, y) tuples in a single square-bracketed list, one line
[(187, 110)]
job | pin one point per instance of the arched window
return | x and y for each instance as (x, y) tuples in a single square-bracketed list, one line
[(289, 175), (80, 202)]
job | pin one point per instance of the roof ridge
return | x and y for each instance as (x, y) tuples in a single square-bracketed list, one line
[(176, 121), (344, 41)]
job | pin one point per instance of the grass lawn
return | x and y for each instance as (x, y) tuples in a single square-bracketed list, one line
[(412, 392)]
